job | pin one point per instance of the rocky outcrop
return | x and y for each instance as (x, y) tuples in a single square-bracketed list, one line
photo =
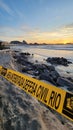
[(15, 42), (18, 42), (58, 61), (24, 42), (65, 82), (42, 71)]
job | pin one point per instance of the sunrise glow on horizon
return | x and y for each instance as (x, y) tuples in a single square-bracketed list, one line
[(41, 21)]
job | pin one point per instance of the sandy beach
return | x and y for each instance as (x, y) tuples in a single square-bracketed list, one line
[(20, 111)]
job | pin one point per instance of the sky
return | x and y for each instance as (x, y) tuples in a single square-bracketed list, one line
[(42, 21)]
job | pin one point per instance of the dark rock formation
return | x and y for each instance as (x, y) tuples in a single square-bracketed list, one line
[(58, 61), (24, 42), (15, 42), (25, 54), (18, 42), (43, 71), (65, 82), (47, 78)]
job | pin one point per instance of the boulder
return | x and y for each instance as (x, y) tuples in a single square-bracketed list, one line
[(54, 74), (70, 78), (26, 69), (25, 54), (40, 66), (15, 42), (51, 68), (58, 61), (47, 77), (65, 82), (24, 42)]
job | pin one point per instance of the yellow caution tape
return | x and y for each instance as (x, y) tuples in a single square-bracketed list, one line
[(54, 97)]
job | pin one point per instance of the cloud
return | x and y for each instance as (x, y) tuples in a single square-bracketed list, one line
[(69, 26), (5, 7), (26, 28), (67, 29), (12, 12), (18, 12), (25, 32)]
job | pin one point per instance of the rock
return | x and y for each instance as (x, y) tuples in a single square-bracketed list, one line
[(25, 54), (43, 67), (70, 78), (47, 77), (18, 42), (24, 42), (44, 72), (23, 61), (26, 69), (36, 73), (58, 61), (65, 82), (51, 68), (15, 42), (15, 56), (22, 58), (40, 66), (54, 74)]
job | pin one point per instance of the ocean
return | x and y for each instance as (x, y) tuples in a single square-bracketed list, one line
[(42, 52)]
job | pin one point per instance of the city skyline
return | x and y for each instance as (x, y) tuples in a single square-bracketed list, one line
[(42, 21)]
